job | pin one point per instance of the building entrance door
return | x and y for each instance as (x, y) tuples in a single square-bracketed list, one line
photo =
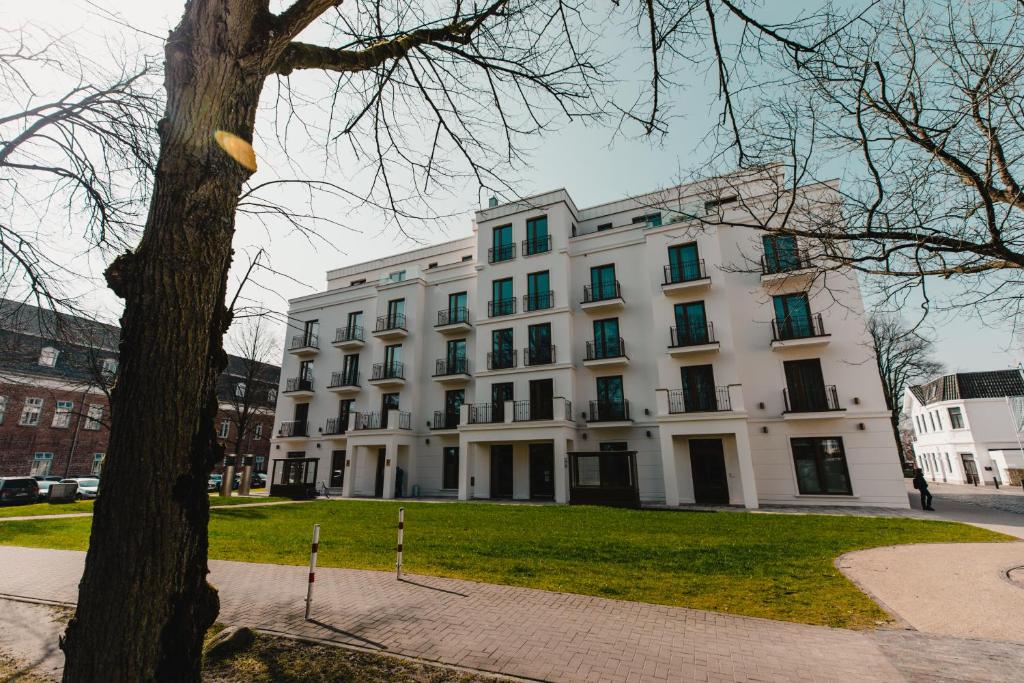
[(501, 471), (378, 484), (337, 469), (707, 465), (970, 469), (542, 471)]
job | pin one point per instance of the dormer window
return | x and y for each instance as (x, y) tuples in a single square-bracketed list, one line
[(240, 390), (48, 356), (109, 366)]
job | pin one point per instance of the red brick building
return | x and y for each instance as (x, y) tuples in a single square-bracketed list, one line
[(55, 374)]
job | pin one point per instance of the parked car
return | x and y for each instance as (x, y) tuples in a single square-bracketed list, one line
[(44, 485), (258, 481), (18, 490), (88, 487), (214, 482)]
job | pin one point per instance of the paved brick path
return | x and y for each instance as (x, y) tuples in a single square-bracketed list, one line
[(534, 634)]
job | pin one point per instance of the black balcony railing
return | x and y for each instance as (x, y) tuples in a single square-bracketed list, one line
[(294, 428), (600, 349), (539, 355), (699, 400), (608, 411), (538, 245), (540, 409), (348, 334), (336, 425), (692, 335), (445, 419), (604, 291), (502, 252), (686, 271), (808, 400), (538, 301), (392, 370), (501, 307), (451, 366), (305, 341), (298, 384), (386, 323), (452, 316), (381, 420), (345, 378), (784, 263), (502, 360), (797, 327), (486, 413)]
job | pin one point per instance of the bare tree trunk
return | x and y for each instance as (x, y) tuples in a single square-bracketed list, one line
[(148, 551)]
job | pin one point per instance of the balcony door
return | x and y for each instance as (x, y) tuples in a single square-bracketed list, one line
[(392, 357), (350, 368), (396, 313), (691, 324), (501, 348), (301, 417), (538, 285), (793, 315), (500, 392), (542, 393), (458, 304), (337, 469), (453, 400), (805, 385), (536, 235), (502, 296), (602, 282), (455, 356), (611, 403), (683, 262), (354, 324), (503, 246), (311, 332), (539, 351), (698, 388), (606, 338), (345, 408), (780, 253)]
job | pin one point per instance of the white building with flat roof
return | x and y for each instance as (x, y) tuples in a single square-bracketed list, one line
[(966, 430), (529, 360)]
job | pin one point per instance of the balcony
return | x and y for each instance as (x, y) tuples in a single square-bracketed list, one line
[(608, 414), (391, 327), (810, 404), (304, 344), (344, 383), (389, 419), (538, 245), (603, 297), (453, 320), (296, 429), (348, 337), (502, 252), (685, 277), (388, 374), (698, 400), (299, 387), (697, 338), (451, 370), (486, 413), (445, 420), (538, 301), (604, 352), (785, 266), (556, 408), (502, 360), (336, 426), (539, 355), (500, 307), (799, 331)]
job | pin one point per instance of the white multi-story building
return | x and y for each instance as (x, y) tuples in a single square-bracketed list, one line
[(557, 338), (966, 430)]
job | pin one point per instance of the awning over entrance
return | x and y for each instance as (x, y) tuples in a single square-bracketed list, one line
[(603, 478), (294, 478)]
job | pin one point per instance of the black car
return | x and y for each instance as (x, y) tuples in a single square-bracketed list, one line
[(18, 490)]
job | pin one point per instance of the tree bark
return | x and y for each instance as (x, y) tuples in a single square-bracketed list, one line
[(144, 602)]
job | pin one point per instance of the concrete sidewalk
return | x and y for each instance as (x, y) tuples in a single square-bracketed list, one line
[(539, 634)]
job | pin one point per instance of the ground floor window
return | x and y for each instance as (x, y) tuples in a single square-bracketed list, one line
[(260, 464), (821, 466), (97, 464), (42, 463), (450, 472)]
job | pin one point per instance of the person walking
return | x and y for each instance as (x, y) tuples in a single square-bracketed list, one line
[(921, 484)]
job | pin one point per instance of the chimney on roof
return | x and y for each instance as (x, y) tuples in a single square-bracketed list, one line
[(492, 202)]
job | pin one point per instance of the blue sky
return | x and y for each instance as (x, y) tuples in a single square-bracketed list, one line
[(585, 159)]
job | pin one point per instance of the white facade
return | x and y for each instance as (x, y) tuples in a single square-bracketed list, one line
[(963, 440), (733, 414)]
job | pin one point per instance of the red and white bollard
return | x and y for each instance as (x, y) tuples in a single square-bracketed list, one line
[(312, 568), (401, 535)]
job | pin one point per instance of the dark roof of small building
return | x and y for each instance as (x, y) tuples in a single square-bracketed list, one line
[(967, 385)]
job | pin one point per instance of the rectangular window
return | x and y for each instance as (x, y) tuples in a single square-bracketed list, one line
[(93, 416), (938, 419), (62, 415), (606, 339), (42, 463), (538, 291), (396, 314), (109, 366), (455, 357), (3, 408), (821, 466), (450, 475), (311, 333), (792, 316), (397, 276), (502, 350), (240, 390), (540, 351), (48, 356), (257, 432), (537, 240), (780, 254), (653, 220), (805, 387), (225, 429), (458, 308), (503, 302), (604, 226), (699, 393), (350, 369), (393, 358), (97, 464), (956, 418), (603, 285), (692, 327), (354, 325), (503, 249), (31, 412), (683, 263), (931, 419), (611, 404)]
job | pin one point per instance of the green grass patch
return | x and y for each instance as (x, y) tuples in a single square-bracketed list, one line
[(763, 565), (42, 509), (217, 501)]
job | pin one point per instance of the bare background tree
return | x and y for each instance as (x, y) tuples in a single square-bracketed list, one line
[(904, 356), (249, 379)]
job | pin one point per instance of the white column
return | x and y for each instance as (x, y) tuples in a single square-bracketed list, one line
[(390, 466), (561, 471), (349, 482), (746, 468), (668, 466), (466, 451)]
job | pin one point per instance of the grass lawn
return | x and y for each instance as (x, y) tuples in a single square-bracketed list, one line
[(44, 509), (774, 566)]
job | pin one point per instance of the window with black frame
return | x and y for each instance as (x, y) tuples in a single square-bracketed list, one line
[(450, 468), (539, 351), (820, 464), (537, 240), (502, 350)]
